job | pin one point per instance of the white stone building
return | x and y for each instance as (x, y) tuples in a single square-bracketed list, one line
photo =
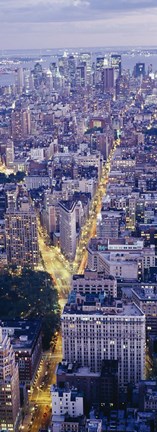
[(66, 401), (105, 329)]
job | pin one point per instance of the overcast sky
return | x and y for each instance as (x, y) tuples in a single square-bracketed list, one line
[(77, 23)]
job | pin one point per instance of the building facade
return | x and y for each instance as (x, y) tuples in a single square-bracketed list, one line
[(97, 330), (94, 282), (21, 237), (66, 401), (68, 228), (9, 386), (26, 340)]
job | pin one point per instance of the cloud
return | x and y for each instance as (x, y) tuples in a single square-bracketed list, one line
[(75, 23), (67, 10)]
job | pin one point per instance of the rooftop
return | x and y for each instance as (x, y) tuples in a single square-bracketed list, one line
[(104, 309), (61, 391), (73, 368), (90, 274), (68, 205), (147, 293), (23, 333)]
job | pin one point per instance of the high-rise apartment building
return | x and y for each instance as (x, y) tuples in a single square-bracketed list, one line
[(9, 386), (96, 328), (131, 213), (20, 123), (11, 194), (9, 153), (26, 340), (68, 228), (21, 237)]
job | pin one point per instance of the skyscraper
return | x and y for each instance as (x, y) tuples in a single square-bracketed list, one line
[(72, 69), (139, 70), (49, 79), (20, 80), (116, 63), (68, 228), (28, 82), (9, 386), (21, 236), (108, 79), (100, 64), (86, 59), (81, 75)]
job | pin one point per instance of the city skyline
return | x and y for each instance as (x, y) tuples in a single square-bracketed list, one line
[(78, 240), (75, 23)]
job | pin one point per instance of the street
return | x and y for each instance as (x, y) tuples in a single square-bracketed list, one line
[(61, 272), (39, 410)]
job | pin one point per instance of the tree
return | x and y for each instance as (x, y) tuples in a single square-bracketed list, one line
[(12, 178), (30, 294)]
